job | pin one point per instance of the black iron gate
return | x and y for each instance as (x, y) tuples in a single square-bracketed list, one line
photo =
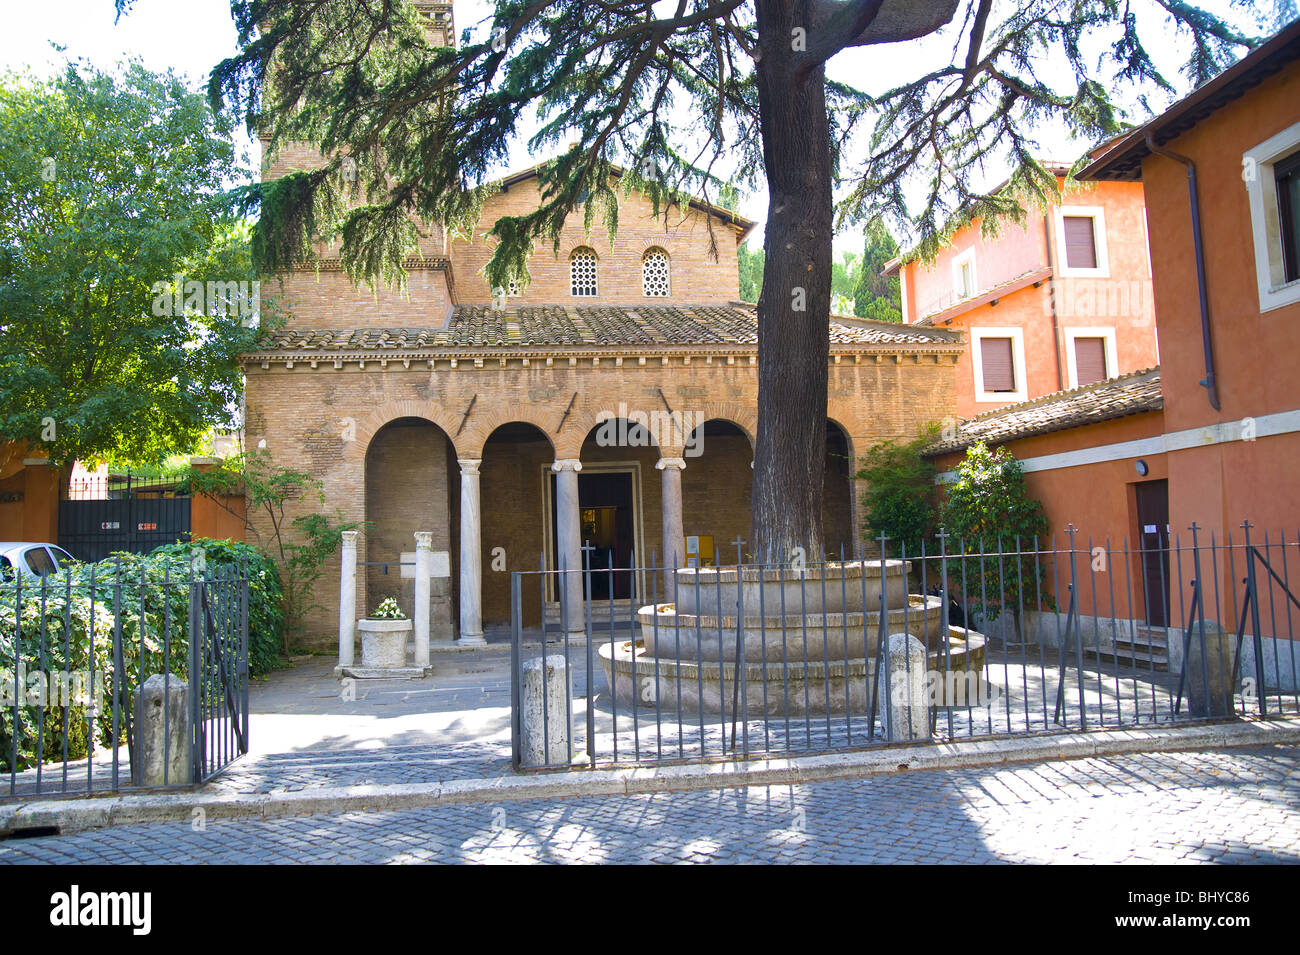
[(131, 515)]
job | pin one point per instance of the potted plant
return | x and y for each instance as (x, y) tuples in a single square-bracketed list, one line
[(384, 635)]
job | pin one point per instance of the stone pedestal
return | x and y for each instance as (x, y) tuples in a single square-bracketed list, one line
[(1207, 686), (906, 713), (383, 652), (543, 712), (162, 751)]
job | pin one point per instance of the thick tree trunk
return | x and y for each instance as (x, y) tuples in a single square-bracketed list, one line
[(794, 306)]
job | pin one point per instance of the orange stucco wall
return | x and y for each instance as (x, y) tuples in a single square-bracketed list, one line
[(1121, 300), (1255, 354)]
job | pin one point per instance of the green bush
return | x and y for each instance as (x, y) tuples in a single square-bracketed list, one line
[(265, 594), (150, 597)]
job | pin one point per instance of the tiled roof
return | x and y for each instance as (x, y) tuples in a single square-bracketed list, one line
[(589, 326), (1129, 394)]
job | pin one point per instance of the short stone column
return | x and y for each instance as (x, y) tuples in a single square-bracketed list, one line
[(906, 712), (543, 712), (1207, 671), (471, 556), (161, 752), (568, 533), (670, 481), (420, 616), (348, 600)]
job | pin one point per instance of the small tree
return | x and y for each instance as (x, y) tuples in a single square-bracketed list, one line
[(989, 511), (302, 544), (901, 500), (878, 296)]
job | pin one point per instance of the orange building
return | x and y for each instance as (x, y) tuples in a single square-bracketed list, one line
[(1060, 301), (1220, 444)]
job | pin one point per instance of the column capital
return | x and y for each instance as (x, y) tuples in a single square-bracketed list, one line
[(423, 540), (469, 465), (678, 463), (567, 464), (350, 538)]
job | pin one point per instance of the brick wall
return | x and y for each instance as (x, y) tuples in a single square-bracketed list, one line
[(696, 274)]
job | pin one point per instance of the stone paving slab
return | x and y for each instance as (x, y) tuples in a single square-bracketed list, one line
[(1205, 806)]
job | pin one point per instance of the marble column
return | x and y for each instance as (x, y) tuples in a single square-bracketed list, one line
[(471, 556), (348, 600), (423, 567), (674, 552), (568, 534)]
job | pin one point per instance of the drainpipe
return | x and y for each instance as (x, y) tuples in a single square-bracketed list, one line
[(1051, 297), (1208, 382)]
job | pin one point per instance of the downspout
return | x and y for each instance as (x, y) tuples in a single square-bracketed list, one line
[(1208, 382), (1051, 298)]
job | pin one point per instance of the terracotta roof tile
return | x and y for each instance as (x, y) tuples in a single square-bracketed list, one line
[(543, 326), (1129, 394)]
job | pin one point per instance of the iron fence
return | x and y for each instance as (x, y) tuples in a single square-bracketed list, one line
[(1020, 637), (103, 514), (76, 649)]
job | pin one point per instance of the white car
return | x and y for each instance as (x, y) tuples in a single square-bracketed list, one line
[(31, 560)]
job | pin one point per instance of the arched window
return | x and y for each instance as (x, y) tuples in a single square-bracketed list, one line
[(582, 272), (654, 274)]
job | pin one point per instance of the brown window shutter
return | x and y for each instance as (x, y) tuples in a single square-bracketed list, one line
[(1080, 243), (995, 359), (1090, 360)]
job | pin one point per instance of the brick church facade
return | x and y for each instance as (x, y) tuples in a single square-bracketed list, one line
[(613, 403)]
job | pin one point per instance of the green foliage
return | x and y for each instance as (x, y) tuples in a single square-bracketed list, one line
[(877, 296), (670, 95), (901, 500), (111, 186), (265, 592), (300, 544), (750, 263), (988, 509)]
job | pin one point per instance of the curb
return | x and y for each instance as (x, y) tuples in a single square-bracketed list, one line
[(66, 816)]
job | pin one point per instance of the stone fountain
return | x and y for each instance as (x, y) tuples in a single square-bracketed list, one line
[(806, 640)]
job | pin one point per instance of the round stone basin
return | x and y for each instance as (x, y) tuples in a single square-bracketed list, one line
[(818, 588), (818, 687), (816, 636)]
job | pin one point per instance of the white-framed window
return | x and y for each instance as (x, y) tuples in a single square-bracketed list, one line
[(964, 282), (514, 289), (1081, 242), (1090, 355), (582, 272), (998, 355), (1272, 174), (655, 277)]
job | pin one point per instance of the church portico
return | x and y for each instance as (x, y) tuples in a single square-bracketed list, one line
[(495, 450)]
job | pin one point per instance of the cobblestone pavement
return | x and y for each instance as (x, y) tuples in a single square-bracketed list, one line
[(1233, 805)]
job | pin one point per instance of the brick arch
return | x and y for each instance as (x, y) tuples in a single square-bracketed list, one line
[(370, 425), (581, 421), (482, 425), (853, 427), (742, 416)]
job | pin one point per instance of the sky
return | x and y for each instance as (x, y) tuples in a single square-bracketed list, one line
[(192, 36)]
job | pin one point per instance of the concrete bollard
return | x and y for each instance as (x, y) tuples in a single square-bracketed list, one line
[(1216, 699), (543, 723), (162, 738), (906, 713)]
